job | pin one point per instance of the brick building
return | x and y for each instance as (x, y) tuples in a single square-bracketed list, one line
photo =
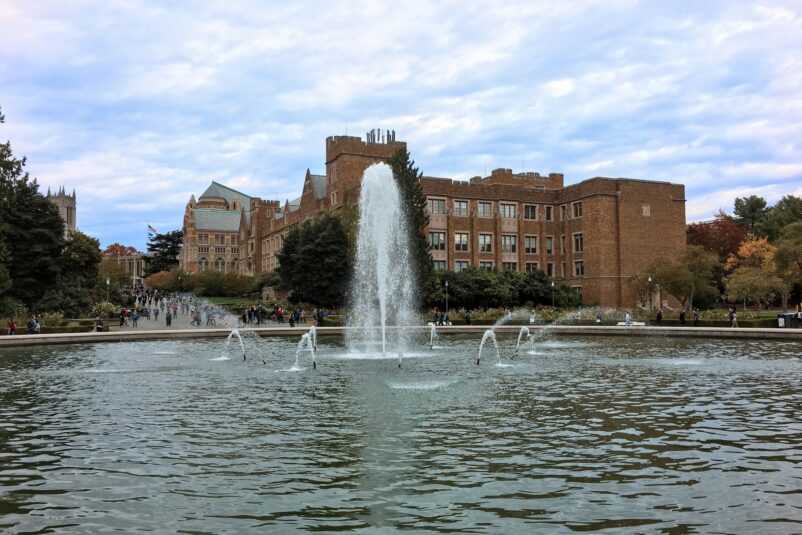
[(593, 235)]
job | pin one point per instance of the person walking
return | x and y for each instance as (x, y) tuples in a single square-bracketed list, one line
[(695, 317), (168, 318), (682, 317), (734, 318), (98, 324), (12, 327), (658, 317)]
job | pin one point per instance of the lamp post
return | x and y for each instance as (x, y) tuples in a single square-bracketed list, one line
[(650, 293), (107, 288), (180, 288), (552, 294), (446, 298)]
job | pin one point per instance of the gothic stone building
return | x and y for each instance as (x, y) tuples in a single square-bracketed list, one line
[(593, 235), (67, 208)]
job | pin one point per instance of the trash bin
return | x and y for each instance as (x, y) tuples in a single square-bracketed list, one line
[(785, 320)]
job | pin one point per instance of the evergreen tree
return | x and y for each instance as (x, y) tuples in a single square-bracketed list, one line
[(78, 284), (413, 199), (787, 210), (163, 251), (750, 211), (314, 262)]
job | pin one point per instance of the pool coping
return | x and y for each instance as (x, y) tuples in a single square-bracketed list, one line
[(776, 333)]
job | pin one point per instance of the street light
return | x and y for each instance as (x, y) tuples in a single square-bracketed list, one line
[(107, 288), (552, 294), (180, 288), (446, 298), (650, 294)]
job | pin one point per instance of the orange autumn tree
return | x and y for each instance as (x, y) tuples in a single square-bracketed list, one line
[(753, 274)]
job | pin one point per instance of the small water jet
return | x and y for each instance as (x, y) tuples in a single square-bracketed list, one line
[(304, 344), (521, 333), (235, 332), (313, 337), (491, 335), (433, 336)]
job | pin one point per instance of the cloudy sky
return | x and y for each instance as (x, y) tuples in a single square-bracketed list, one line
[(137, 105)]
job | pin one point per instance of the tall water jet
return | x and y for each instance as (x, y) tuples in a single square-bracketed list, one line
[(313, 337), (382, 290), (492, 336)]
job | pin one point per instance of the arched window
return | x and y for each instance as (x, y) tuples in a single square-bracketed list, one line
[(220, 265), (203, 264)]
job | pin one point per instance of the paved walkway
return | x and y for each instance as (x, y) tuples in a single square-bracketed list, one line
[(181, 322)]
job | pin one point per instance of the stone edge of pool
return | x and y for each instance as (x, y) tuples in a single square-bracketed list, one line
[(181, 334)]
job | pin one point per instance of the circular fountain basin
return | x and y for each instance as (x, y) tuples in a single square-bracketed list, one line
[(589, 433)]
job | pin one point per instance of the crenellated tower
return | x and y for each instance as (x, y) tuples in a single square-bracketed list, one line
[(65, 202)]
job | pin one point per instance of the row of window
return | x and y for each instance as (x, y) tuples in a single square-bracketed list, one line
[(219, 265), (219, 239), (459, 265), (506, 210), (509, 243)]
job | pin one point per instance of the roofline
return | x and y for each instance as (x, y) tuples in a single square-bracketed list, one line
[(230, 189)]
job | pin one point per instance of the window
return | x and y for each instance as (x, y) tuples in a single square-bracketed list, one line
[(646, 210), (485, 209), (219, 239), (220, 250), (437, 241), (550, 269), (531, 266), (459, 265), (549, 213), (251, 247), (509, 266), (530, 211), (577, 209), (549, 245), (530, 244), (437, 206), (439, 265), (485, 243), (486, 266), (233, 250), (579, 268), (562, 269), (562, 244), (220, 264), (461, 241), (233, 240), (461, 208), (509, 244), (579, 244), (203, 249), (562, 212), (203, 264), (203, 239), (234, 266), (507, 211)]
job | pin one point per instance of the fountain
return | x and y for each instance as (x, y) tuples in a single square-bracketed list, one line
[(235, 332), (313, 337), (521, 333), (382, 291), (305, 344), (491, 335), (433, 336)]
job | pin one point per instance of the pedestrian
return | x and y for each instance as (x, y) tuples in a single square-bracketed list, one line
[(734, 318), (468, 318), (135, 317), (292, 320), (682, 317), (658, 317), (12, 327), (98, 324), (627, 319), (695, 317), (168, 318)]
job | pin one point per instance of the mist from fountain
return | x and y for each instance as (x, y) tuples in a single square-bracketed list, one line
[(382, 290)]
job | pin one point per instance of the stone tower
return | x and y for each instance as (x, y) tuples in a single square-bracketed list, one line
[(65, 203)]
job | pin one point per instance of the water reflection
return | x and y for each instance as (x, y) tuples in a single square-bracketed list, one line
[(584, 435)]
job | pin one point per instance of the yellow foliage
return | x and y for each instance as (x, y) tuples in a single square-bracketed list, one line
[(753, 252)]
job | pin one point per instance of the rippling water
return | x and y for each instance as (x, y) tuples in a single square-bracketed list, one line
[(583, 434)]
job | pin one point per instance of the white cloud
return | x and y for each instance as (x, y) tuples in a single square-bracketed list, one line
[(139, 104)]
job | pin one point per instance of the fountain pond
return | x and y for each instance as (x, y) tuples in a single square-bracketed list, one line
[(591, 434)]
